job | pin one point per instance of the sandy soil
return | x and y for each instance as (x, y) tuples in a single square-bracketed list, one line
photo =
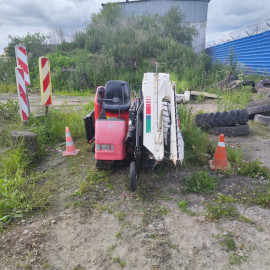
[(110, 228)]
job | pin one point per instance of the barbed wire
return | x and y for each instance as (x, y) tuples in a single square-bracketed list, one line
[(242, 33)]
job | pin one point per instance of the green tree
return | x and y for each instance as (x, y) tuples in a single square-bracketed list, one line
[(34, 43), (109, 15), (173, 27)]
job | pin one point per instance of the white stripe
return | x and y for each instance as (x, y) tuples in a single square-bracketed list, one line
[(69, 143), (221, 144), (24, 107), (20, 81), (23, 58), (45, 70), (47, 93)]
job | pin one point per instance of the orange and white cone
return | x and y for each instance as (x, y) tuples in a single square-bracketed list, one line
[(70, 147), (220, 161)]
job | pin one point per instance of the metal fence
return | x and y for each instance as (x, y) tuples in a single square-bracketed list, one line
[(249, 47)]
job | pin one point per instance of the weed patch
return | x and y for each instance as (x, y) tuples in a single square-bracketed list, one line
[(253, 168), (234, 100), (236, 259), (9, 111), (200, 182), (19, 192), (221, 207), (229, 242), (197, 142), (183, 206)]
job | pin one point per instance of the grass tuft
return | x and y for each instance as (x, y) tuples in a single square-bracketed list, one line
[(200, 182)]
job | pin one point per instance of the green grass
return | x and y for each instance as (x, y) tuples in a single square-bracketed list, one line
[(200, 182), (197, 142), (221, 207), (19, 191), (183, 207), (229, 243), (9, 111), (253, 168), (234, 100), (236, 259)]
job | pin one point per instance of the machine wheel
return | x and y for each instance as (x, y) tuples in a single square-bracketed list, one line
[(133, 176), (232, 131), (220, 119)]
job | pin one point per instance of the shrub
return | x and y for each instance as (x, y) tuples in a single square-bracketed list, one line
[(197, 143), (200, 182)]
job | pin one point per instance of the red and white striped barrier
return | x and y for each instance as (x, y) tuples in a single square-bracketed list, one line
[(21, 58), (45, 81), (22, 94)]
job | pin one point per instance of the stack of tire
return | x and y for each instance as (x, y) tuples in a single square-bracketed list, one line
[(260, 111), (230, 123)]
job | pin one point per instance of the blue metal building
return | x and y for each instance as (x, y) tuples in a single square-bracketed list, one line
[(195, 12), (249, 47)]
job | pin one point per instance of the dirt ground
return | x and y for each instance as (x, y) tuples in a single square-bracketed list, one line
[(109, 227)]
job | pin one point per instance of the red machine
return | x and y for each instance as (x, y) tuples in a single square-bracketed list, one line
[(141, 132), (112, 126)]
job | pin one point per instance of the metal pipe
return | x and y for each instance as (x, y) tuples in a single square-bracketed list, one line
[(137, 124)]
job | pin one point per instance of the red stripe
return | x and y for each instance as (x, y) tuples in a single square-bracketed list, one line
[(43, 62), (22, 94), (49, 101), (46, 82), (24, 116), (22, 50), (23, 65), (21, 72)]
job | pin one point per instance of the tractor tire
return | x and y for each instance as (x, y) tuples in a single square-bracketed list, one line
[(262, 119), (232, 131), (259, 102), (263, 86), (220, 119), (261, 109), (133, 176)]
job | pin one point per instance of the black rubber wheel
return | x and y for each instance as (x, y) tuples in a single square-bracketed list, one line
[(232, 131), (262, 109), (263, 86), (251, 83), (262, 119), (220, 119), (133, 176), (259, 102)]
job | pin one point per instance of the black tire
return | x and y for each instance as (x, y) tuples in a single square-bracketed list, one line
[(251, 83), (259, 102), (262, 119), (232, 131), (220, 119), (263, 86), (262, 109), (133, 176)]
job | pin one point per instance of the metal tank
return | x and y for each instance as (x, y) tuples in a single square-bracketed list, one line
[(195, 13)]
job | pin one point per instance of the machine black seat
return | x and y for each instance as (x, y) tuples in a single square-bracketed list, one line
[(119, 90)]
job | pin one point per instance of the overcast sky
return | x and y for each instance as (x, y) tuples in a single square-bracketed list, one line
[(18, 17)]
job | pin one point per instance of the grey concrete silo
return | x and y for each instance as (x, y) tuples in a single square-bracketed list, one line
[(195, 13)]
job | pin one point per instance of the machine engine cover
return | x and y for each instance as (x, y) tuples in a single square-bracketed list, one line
[(110, 137)]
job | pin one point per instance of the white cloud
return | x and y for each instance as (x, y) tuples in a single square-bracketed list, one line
[(230, 15), (18, 17)]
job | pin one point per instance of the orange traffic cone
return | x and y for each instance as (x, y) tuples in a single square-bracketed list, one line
[(70, 147), (220, 160)]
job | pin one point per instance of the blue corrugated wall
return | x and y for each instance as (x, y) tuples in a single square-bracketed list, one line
[(253, 53)]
